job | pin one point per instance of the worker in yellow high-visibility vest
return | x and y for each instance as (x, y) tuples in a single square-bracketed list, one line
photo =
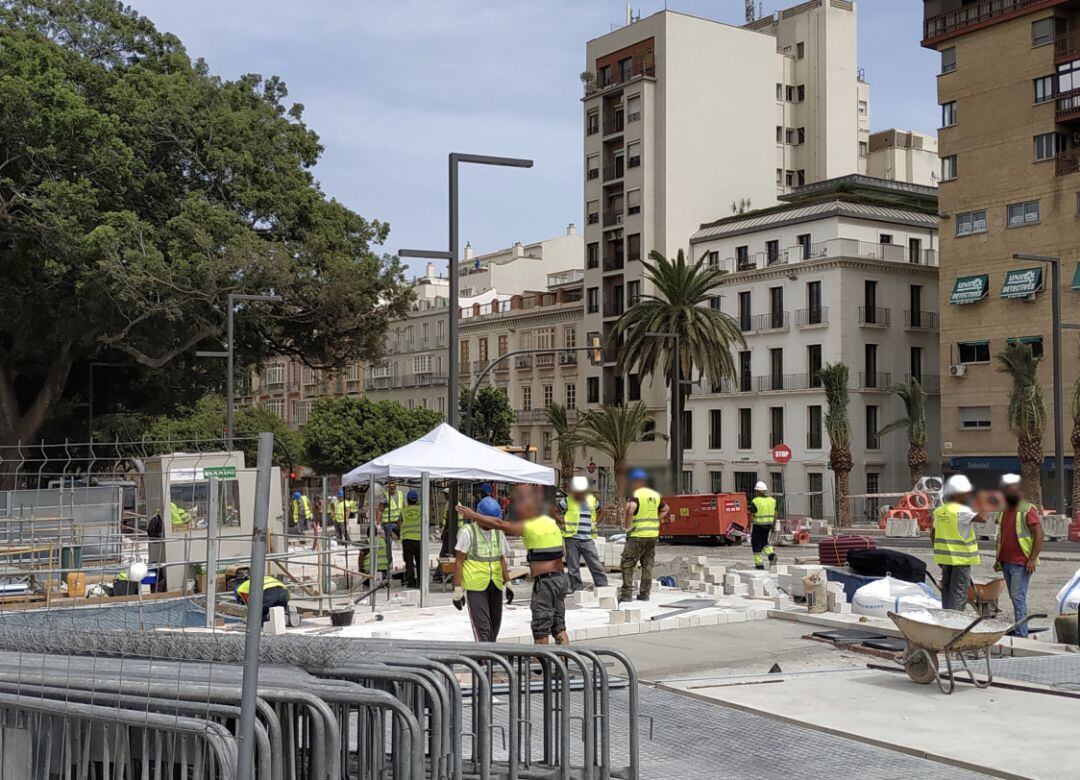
[(275, 594), (643, 513), (301, 516), (481, 578), (1019, 542), (388, 514), (339, 513), (578, 516), (763, 510), (956, 545), (411, 532)]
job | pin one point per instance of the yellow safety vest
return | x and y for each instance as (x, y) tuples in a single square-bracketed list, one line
[(382, 560), (543, 535), (646, 523), (304, 505), (395, 502), (1023, 533), (482, 563), (765, 510), (268, 583), (951, 548), (572, 518), (338, 511), (412, 524)]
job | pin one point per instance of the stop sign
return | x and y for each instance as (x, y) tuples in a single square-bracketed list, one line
[(781, 453)]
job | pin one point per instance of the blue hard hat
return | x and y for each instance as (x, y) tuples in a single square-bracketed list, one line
[(638, 475), (485, 487), (412, 495), (296, 495), (341, 494), (489, 507)]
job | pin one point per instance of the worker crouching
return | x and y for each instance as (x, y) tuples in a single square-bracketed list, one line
[(275, 594), (481, 578)]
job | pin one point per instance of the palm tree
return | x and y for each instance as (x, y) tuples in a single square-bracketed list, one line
[(567, 441), (1026, 414), (614, 430), (1075, 444), (914, 398), (680, 304), (834, 378)]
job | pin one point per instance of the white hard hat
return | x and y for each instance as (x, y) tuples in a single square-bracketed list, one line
[(1009, 479), (761, 487), (579, 484), (958, 484)]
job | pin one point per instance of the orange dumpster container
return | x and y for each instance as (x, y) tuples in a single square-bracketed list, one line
[(721, 518)]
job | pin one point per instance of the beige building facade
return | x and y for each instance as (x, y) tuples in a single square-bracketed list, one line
[(1010, 183)]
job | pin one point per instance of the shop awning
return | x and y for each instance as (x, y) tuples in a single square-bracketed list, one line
[(1022, 283), (970, 289)]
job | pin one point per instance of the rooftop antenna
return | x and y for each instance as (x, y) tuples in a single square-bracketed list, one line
[(751, 12)]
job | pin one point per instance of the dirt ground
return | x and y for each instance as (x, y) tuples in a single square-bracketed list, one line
[(1056, 569)]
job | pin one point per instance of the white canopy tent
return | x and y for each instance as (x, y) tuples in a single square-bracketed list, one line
[(442, 453)]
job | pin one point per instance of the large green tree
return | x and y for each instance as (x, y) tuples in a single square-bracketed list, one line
[(914, 397), (137, 190), (614, 430), (568, 440), (834, 380), (492, 418), (343, 432), (1026, 414)]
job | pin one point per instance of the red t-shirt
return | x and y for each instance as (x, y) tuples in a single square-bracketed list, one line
[(1010, 545)]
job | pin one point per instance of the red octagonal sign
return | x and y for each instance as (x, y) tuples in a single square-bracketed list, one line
[(781, 453)]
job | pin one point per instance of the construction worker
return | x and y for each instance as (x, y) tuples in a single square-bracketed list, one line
[(480, 574), (411, 532), (275, 594), (643, 513), (382, 559), (179, 516), (956, 547), (340, 514), (763, 508), (544, 543), (578, 518), (1019, 542), (389, 514), (301, 514)]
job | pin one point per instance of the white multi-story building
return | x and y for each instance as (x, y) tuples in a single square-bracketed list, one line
[(685, 116), (902, 155), (845, 271)]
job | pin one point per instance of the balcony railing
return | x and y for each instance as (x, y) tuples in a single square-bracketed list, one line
[(593, 87), (614, 309), (808, 317), (921, 320), (971, 14), (833, 248), (545, 360), (777, 382), (931, 383), (613, 217), (874, 316), (1067, 45), (423, 379), (874, 380), (1068, 162), (614, 125), (527, 416), (614, 171), (779, 320), (523, 362), (613, 262), (1067, 104)]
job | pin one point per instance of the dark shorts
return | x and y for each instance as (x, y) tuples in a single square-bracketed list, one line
[(549, 604)]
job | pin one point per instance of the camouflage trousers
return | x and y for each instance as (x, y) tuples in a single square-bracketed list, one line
[(637, 550)]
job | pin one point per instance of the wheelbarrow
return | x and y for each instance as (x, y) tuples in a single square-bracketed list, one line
[(946, 631), (983, 595)]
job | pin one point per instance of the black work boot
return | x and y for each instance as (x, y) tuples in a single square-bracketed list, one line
[(772, 559), (643, 597)]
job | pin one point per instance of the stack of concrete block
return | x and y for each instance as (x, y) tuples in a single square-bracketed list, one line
[(584, 599), (610, 553), (901, 527), (837, 598), (791, 581)]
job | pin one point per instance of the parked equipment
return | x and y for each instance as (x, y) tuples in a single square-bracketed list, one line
[(720, 518)]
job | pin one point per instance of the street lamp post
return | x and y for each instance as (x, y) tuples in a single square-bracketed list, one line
[(229, 353), (1056, 326), (676, 409)]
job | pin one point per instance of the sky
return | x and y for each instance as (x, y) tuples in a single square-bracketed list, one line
[(392, 86)]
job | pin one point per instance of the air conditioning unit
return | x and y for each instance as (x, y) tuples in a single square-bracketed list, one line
[(567, 357), (618, 219), (1076, 138), (957, 369)]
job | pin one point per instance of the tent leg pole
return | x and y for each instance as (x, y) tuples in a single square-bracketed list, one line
[(425, 524), (373, 564)]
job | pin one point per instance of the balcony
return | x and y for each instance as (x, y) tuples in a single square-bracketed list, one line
[(613, 262), (1067, 106), (378, 383), (614, 309), (614, 125), (598, 86), (833, 248), (808, 318), (874, 316), (957, 20), (759, 323), (920, 320), (613, 217), (545, 360), (874, 380), (931, 383), (772, 383), (1067, 45), (614, 171), (523, 362), (530, 416), (1068, 162)]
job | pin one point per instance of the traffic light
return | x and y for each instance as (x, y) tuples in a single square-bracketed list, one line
[(596, 351)]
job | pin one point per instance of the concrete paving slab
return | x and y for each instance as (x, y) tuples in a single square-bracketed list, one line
[(890, 710)]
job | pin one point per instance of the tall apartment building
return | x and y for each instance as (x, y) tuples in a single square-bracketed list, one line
[(844, 271), (684, 116), (1010, 183), (902, 155)]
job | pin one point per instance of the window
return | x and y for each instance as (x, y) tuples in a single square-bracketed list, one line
[(545, 338), (633, 292), (1020, 214), (275, 374), (745, 314), (463, 354), (526, 398), (971, 222), (813, 303), (873, 485), (779, 92), (813, 364), (592, 390), (948, 114), (789, 94), (592, 212), (772, 251), (789, 178), (716, 482), (592, 123), (1047, 146), (1044, 89), (1043, 31), (779, 177), (504, 345), (973, 351), (815, 486), (800, 135), (948, 167), (742, 257), (776, 368), (592, 166), (549, 395), (915, 305), (633, 154), (687, 482), (872, 427), (914, 246), (421, 364), (745, 377), (633, 108), (687, 429), (804, 242), (633, 206), (813, 428), (592, 300), (275, 406), (974, 418), (592, 255), (716, 429), (569, 334), (884, 238), (745, 431), (633, 241), (776, 307), (800, 93), (633, 387), (779, 134), (776, 425), (776, 478), (789, 135), (1035, 342), (800, 176), (870, 300), (915, 363), (863, 108), (948, 59), (482, 352), (870, 365), (864, 149), (800, 50)]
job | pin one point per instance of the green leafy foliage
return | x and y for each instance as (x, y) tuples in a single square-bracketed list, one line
[(492, 416), (342, 433), (137, 190)]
